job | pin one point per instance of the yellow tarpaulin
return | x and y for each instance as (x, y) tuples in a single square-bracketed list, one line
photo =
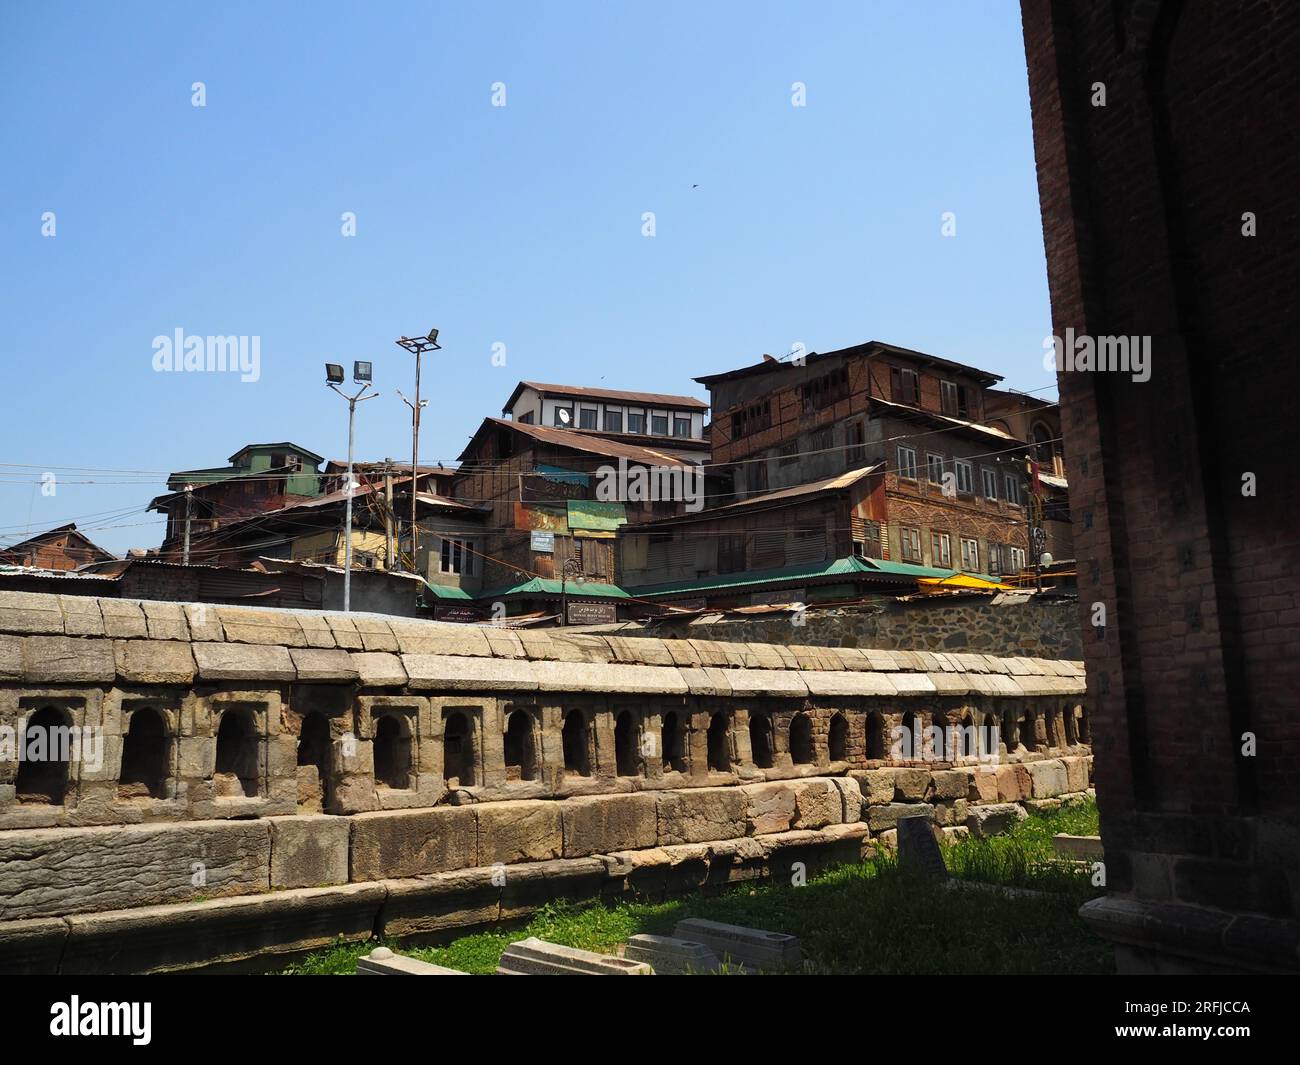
[(962, 580)]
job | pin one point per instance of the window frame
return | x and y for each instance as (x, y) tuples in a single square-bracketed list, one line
[(974, 543), (969, 467), (904, 467)]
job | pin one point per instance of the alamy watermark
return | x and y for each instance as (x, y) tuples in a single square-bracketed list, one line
[(56, 743), (1103, 354), (939, 743), (179, 353), (634, 483)]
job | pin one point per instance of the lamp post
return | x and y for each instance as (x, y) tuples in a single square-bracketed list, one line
[(571, 570), (361, 375), (416, 346)]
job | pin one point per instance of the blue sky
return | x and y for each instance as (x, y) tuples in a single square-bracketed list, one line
[(518, 225)]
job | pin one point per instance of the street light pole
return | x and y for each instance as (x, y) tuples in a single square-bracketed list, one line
[(417, 346), (360, 397)]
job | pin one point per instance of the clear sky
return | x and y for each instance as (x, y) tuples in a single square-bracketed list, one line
[(519, 225)]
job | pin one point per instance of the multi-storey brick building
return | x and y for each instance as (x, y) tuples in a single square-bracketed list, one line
[(956, 489)]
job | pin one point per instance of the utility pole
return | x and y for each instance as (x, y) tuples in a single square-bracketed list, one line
[(334, 377), (388, 514), (416, 346), (189, 514)]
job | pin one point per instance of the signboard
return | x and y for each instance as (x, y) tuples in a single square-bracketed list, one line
[(592, 613), (543, 542), (456, 613)]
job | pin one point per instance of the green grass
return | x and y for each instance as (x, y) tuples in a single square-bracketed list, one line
[(868, 918)]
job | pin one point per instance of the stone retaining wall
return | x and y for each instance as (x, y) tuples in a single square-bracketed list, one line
[(248, 753)]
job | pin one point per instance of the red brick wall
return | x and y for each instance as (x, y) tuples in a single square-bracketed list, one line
[(1142, 204)]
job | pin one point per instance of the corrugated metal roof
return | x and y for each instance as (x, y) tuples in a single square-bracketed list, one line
[(591, 445), (654, 399)]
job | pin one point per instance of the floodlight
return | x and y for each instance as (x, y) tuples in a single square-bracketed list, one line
[(333, 373), (361, 372)]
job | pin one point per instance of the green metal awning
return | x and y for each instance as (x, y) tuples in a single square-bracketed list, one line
[(548, 586), (908, 569), (445, 591), (840, 567)]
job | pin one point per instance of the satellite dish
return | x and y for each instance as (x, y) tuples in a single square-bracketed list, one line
[(565, 417)]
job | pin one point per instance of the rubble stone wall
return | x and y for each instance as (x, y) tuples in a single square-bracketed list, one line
[(235, 760)]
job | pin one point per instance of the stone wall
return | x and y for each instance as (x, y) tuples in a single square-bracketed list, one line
[(274, 777), (1014, 624)]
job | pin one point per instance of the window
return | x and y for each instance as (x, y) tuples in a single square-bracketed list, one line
[(955, 399), (458, 759), (757, 476), (573, 739), (907, 462), (314, 751), (520, 756), (563, 417), (719, 750), (995, 558), (45, 779), (965, 477), (731, 554), (866, 537), (910, 544), (825, 390), (392, 753), (587, 417), (145, 756), (1011, 483), (1017, 559), (837, 738), (904, 386), (970, 555), (856, 439), (821, 441), (760, 740), (237, 760), (658, 425), (990, 479), (627, 757), (788, 455), (457, 556), (801, 741), (613, 421), (674, 759), (526, 418), (934, 468), (681, 426), (750, 420), (941, 550), (635, 422), (875, 735)]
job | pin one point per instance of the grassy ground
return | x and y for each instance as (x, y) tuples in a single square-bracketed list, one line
[(868, 918)]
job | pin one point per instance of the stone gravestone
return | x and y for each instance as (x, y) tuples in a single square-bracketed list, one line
[(918, 850)]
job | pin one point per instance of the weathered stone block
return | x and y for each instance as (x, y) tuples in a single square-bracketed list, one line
[(1048, 779), (383, 962), (81, 616), (323, 665), (310, 851), (403, 843), (769, 807), (877, 785), (985, 821), (951, 784), (912, 785), (883, 818), (753, 948), (523, 831), (818, 804), (598, 824), (11, 658), (1076, 774), (671, 957), (451, 673), (231, 661), (851, 798), (378, 669), (535, 957), (984, 785), (154, 661), (55, 871), (699, 815), (165, 621), (267, 627), (68, 660), (34, 612)]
